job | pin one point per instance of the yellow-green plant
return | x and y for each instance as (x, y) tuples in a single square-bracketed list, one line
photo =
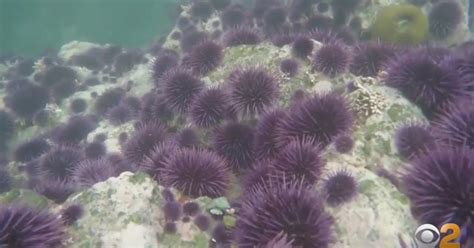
[(401, 24)]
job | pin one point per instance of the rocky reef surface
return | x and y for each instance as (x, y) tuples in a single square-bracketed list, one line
[(193, 142)]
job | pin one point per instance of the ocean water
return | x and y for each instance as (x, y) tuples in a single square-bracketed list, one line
[(252, 123), (31, 27)]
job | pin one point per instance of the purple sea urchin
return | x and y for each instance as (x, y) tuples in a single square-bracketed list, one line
[(132, 102), (274, 17), (95, 150), (142, 143), (280, 241), (319, 119), (432, 183), (261, 6), (41, 118), (261, 174), (339, 187), (25, 102), (370, 58), (155, 109), (167, 195), (75, 130), (331, 59), (190, 39), (162, 64), (209, 108), (463, 62), (298, 96), (172, 210), (62, 91), (78, 105), (92, 81), (444, 17), (289, 67), (186, 219), (202, 222), (25, 67), (302, 47), (16, 84), (109, 99), (57, 75), (233, 16), (426, 83), (180, 88), (187, 138), (294, 210), (252, 91), (342, 9), (72, 214), (154, 163), (201, 10), (123, 137), (126, 60), (119, 114), (205, 57), (197, 173), (59, 163), (234, 142), (30, 150), (346, 36), (301, 8), (89, 59), (320, 22), (282, 39), (100, 137), (343, 143), (191, 208), (170, 228), (7, 128), (456, 126), (221, 235), (55, 190), (325, 37), (5, 181), (182, 22), (413, 140), (299, 161), (266, 135), (27, 227), (89, 172), (241, 36)]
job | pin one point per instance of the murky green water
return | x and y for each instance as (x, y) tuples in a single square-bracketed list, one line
[(29, 27)]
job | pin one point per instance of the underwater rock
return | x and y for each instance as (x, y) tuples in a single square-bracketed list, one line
[(380, 111), (129, 210), (377, 216), (126, 211)]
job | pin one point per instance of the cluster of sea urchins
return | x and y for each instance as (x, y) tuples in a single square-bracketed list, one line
[(193, 137)]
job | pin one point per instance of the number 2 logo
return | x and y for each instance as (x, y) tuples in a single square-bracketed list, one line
[(449, 241)]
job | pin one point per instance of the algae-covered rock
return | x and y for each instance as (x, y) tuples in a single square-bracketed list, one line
[(265, 55), (23, 197), (380, 215), (380, 112), (126, 212), (376, 217)]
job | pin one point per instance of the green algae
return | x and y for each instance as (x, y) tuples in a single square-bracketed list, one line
[(229, 221), (24, 197), (401, 24), (366, 186), (138, 178)]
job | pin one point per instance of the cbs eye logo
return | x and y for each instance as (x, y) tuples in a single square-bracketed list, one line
[(428, 236)]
